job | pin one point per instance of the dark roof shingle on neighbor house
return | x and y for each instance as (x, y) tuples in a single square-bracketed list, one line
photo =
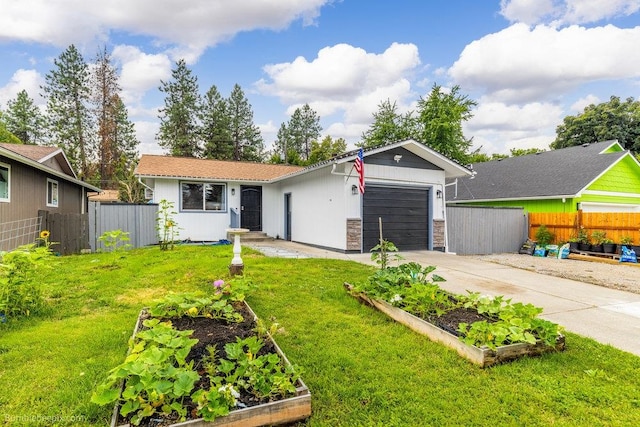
[(555, 173), (188, 167)]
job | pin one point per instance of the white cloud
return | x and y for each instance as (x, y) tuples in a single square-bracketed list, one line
[(140, 71), (498, 127), (345, 79), (520, 64), (191, 26), (29, 80), (529, 117), (526, 11), (584, 11), (580, 104), (146, 132), (566, 12)]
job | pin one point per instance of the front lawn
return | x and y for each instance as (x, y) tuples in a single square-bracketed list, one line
[(362, 368)]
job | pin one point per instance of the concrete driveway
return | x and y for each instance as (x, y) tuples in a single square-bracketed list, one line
[(608, 316)]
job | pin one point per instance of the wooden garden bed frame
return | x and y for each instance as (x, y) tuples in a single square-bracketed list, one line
[(481, 356), (282, 411)]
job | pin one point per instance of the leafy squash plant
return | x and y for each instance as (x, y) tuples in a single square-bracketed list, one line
[(156, 379), (156, 375), (414, 289)]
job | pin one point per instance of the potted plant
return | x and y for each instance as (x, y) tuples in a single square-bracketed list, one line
[(608, 246), (583, 240), (543, 236), (625, 241), (598, 239), (574, 242)]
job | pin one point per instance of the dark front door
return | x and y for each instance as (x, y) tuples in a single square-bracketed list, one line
[(287, 216), (251, 207)]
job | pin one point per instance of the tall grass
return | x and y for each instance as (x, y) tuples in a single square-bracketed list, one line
[(362, 368)]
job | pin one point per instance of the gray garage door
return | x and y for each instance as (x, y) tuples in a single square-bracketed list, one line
[(404, 213)]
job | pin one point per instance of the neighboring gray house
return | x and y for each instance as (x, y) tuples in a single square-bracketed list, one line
[(598, 177), (34, 178), (318, 205)]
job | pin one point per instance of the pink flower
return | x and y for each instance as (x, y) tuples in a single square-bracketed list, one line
[(218, 283)]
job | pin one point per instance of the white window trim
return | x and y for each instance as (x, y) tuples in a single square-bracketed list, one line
[(56, 202), (8, 198), (203, 210)]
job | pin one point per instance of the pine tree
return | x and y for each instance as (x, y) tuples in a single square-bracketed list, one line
[(282, 147), (179, 125), (67, 92), (125, 141), (24, 119), (216, 129), (105, 89), (245, 135), (304, 127)]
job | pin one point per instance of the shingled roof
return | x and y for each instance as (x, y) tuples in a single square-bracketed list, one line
[(37, 153), (188, 167), (556, 173), (49, 159)]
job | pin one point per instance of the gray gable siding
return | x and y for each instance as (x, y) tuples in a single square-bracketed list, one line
[(408, 160), (563, 172), (29, 192)]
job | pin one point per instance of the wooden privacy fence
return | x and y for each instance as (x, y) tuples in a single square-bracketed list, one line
[(69, 231), (566, 225)]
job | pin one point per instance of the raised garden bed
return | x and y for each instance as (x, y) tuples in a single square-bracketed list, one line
[(481, 356), (217, 333)]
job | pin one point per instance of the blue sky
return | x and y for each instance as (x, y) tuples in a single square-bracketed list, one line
[(528, 63)]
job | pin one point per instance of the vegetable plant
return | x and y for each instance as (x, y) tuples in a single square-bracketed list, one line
[(166, 225), (414, 289), (20, 294), (155, 374)]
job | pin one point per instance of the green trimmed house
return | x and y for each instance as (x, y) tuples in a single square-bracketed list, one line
[(598, 177)]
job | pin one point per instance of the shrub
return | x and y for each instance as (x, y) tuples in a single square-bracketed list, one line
[(544, 236)]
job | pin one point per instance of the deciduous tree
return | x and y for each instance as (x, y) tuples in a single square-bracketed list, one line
[(605, 121), (326, 149), (440, 118), (388, 126)]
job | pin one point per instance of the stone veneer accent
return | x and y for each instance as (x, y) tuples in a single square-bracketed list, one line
[(438, 234), (354, 234)]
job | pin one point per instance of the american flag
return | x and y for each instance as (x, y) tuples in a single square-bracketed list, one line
[(359, 165)]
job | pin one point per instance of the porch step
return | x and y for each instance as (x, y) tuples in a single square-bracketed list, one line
[(252, 237)]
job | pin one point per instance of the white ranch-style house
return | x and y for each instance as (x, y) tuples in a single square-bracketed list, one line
[(318, 205)]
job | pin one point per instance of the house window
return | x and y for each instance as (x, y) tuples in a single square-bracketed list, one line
[(201, 196), (52, 193), (4, 182)]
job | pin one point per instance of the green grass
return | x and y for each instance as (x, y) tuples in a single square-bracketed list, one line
[(362, 368)]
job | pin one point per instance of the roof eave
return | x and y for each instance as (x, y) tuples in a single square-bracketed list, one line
[(511, 199), (37, 165)]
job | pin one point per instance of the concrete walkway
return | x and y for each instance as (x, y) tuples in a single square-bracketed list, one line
[(607, 315)]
